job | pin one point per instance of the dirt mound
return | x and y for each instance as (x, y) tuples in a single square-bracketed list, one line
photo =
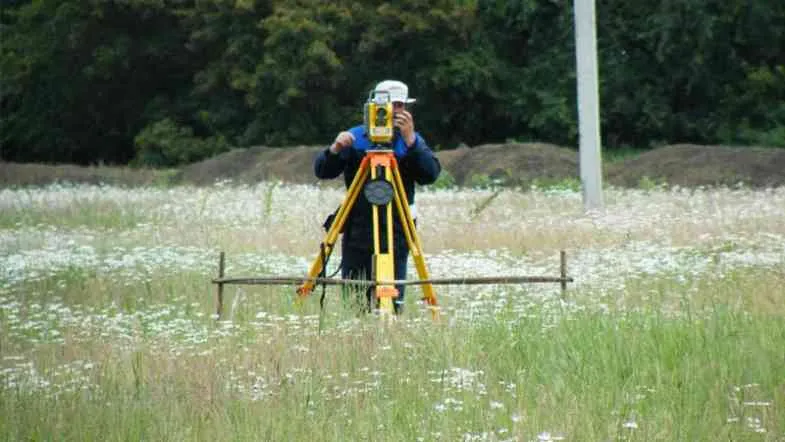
[(293, 164), (512, 164), (522, 164), (693, 165)]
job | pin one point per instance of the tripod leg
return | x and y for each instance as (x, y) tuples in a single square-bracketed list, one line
[(332, 234), (413, 239), (383, 263)]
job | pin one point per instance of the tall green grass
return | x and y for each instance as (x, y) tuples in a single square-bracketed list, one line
[(706, 372)]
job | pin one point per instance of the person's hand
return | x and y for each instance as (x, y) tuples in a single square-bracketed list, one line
[(404, 121), (342, 141)]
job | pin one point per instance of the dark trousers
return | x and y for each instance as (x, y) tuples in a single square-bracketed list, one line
[(356, 264)]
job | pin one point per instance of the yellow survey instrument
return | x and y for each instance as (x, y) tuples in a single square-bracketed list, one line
[(378, 116)]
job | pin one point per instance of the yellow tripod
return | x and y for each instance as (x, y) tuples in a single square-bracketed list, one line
[(384, 189)]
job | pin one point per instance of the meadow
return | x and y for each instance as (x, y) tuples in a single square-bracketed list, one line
[(674, 329)]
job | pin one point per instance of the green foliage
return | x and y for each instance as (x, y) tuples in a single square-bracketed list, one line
[(648, 183), (226, 36), (78, 77), (569, 184), (774, 137), (480, 181), (620, 154), (446, 180), (164, 144), (682, 71), (83, 79), (758, 120), (167, 177)]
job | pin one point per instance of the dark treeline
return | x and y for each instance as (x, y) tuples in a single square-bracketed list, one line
[(163, 82)]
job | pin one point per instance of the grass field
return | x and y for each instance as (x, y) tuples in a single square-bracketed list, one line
[(674, 329)]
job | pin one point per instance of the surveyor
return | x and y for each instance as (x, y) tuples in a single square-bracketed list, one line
[(416, 163)]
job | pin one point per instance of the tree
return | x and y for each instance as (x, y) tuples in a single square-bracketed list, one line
[(79, 75)]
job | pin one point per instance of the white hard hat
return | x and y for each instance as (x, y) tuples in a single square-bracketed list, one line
[(398, 91)]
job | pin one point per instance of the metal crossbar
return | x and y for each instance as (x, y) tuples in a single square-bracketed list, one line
[(222, 280), (292, 280)]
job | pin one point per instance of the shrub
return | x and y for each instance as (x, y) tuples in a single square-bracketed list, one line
[(480, 181), (166, 144), (445, 181)]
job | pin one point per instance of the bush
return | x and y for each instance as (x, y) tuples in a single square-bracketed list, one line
[(771, 138), (445, 181), (481, 181), (557, 184), (647, 183), (166, 144)]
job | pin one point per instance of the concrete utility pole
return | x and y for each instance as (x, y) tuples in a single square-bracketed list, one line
[(588, 104)]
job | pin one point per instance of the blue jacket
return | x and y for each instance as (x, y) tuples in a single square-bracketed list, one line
[(416, 164)]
